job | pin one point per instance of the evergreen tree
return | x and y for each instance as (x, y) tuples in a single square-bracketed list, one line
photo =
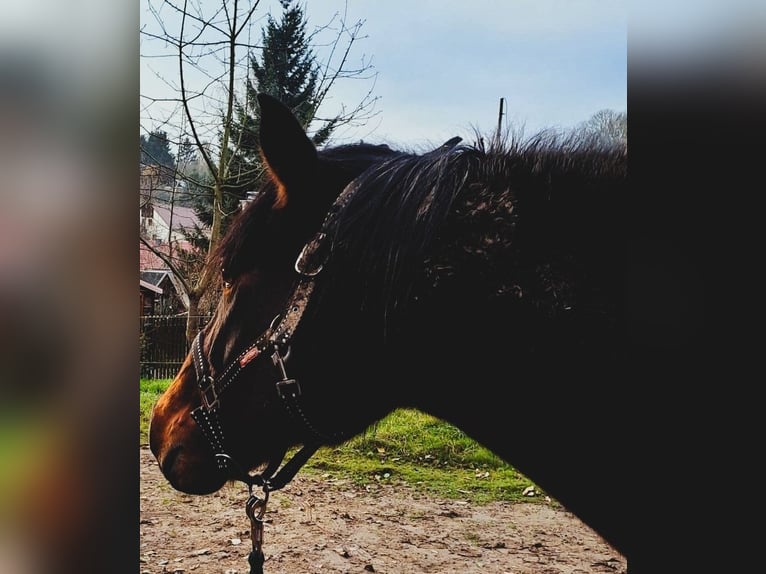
[(155, 150), (186, 155), (288, 70)]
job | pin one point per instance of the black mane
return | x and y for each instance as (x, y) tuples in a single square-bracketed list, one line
[(481, 221), (528, 221)]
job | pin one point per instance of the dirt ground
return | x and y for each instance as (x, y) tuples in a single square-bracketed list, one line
[(317, 526)]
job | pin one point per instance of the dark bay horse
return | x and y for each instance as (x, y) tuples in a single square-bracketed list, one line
[(482, 284)]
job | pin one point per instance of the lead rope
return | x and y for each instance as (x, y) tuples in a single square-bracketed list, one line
[(255, 508)]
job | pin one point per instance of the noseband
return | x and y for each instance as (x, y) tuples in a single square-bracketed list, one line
[(271, 343)]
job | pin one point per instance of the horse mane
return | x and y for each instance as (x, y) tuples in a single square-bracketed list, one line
[(486, 220), (425, 218)]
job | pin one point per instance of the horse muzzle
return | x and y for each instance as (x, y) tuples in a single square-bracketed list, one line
[(182, 451), (190, 474)]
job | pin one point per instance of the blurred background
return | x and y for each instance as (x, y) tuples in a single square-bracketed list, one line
[(68, 350), (68, 258)]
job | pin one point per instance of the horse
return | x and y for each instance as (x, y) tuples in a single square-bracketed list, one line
[(479, 283)]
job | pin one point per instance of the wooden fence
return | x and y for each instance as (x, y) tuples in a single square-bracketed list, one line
[(163, 344)]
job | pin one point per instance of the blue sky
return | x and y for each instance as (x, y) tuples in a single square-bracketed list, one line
[(442, 66)]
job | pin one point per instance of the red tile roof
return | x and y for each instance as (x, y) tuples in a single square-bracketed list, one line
[(148, 259)]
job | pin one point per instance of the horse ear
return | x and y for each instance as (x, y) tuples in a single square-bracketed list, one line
[(285, 149)]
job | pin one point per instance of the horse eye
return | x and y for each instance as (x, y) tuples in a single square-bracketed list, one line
[(227, 284)]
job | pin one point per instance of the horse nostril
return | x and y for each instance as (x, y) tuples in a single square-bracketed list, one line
[(169, 460)]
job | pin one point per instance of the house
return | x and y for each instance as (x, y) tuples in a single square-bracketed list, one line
[(154, 177), (156, 218), (161, 292), (149, 295), (163, 227)]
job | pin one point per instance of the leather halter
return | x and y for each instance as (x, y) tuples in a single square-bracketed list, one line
[(274, 342)]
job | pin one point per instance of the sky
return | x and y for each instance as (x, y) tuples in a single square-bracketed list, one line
[(441, 67)]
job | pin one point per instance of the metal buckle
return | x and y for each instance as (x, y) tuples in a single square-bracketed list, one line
[(304, 257), (288, 388), (209, 390)]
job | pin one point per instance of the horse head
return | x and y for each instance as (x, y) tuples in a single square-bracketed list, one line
[(256, 259)]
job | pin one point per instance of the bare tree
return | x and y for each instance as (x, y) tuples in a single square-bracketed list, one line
[(209, 44), (607, 125)]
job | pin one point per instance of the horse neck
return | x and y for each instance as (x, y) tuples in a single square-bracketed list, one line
[(505, 328)]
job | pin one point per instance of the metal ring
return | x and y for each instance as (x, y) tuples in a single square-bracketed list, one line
[(300, 260)]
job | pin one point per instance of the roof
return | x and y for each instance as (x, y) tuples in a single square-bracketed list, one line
[(183, 217), (153, 270), (150, 260), (154, 277), (146, 285)]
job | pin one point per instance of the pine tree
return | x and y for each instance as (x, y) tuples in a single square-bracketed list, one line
[(186, 155), (288, 70), (155, 150)]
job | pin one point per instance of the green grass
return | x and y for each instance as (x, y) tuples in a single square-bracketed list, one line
[(407, 447), (151, 389)]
